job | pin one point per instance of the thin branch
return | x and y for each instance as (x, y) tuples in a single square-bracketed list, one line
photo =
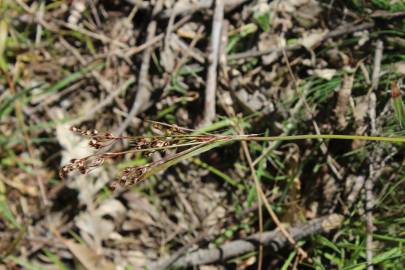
[(135, 50), (209, 106), (261, 197), (231, 112), (273, 215), (275, 240), (329, 159), (343, 30), (144, 87), (190, 9), (375, 168), (375, 78)]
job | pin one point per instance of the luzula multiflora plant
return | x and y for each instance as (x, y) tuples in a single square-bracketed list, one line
[(171, 137), (187, 143)]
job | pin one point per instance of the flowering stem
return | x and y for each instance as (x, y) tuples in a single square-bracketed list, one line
[(319, 136)]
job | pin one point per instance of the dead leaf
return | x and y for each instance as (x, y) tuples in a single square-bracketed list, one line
[(307, 13), (95, 227), (360, 112), (167, 58), (87, 256), (310, 39), (269, 42), (332, 222), (253, 102), (400, 67), (141, 212), (112, 208), (326, 73), (304, 11), (363, 36), (206, 204), (137, 259), (342, 105), (17, 183)]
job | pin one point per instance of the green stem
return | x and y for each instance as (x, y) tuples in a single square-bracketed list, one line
[(319, 136)]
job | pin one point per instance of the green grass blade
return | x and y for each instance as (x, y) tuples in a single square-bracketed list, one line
[(5, 211), (72, 78), (55, 260), (287, 262), (3, 40), (218, 173), (321, 136), (26, 264), (193, 151), (388, 255), (6, 107)]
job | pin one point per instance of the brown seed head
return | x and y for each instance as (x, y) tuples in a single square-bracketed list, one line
[(114, 185), (95, 144), (132, 175), (108, 136), (64, 171)]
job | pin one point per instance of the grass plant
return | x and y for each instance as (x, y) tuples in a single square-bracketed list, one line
[(170, 137)]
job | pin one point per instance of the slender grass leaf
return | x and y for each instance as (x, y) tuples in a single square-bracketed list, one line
[(6, 108), (3, 40), (60, 265), (218, 173), (262, 16), (388, 255), (73, 77), (5, 211), (26, 264), (287, 262), (186, 154), (326, 242), (7, 214)]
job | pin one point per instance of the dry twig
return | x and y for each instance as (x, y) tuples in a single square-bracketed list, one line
[(343, 30), (209, 105), (190, 8), (144, 87), (375, 167), (275, 240), (329, 159)]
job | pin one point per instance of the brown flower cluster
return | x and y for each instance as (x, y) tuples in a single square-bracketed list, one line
[(166, 137), (82, 165), (97, 140), (132, 175)]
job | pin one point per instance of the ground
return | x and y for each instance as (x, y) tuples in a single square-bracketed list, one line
[(157, 134)]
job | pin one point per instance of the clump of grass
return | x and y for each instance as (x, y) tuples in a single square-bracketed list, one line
[(188, 143)]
